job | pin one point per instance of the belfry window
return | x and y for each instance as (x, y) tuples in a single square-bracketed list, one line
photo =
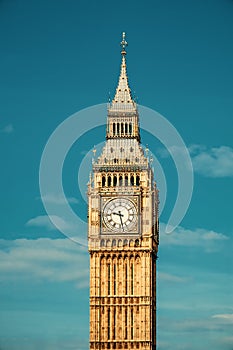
[(126, 128), (130, 128), (118, 128), (137, 180), (122, 128), (131, 180), (103, 181), (126, 180), (114, 128), (120, 180), (114, 180), (109, 181)]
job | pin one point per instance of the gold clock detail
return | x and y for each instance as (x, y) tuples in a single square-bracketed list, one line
[(120, 215)]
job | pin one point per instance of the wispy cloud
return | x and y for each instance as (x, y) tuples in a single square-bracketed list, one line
[(8, 129), (212, 162), (172, 278), (56, 260), (45, 222), (207, 239), (224, 317), (58, 199)]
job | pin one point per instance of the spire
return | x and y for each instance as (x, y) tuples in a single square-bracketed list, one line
[(123, 100)]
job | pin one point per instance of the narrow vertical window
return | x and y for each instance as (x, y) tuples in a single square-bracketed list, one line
[(118, 128), (126, 278), (131, 180), (114, 180), (109, 181), (114, 128), (130, 128), (126, 128), (103, 181), (126, 323), (126, 180), (114, 279), (131, 321), (131, 279), (109, 276), (114, 324), (137, 180), (120, 180), (108, 324), (122, 128)]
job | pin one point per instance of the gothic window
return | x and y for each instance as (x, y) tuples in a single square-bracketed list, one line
[(109, 278), (120, 180), (109, 323), (126, 128), (122, 128), (131, 277), (118, 128), (126, 277), (130, 128), (131, 321), (114, 180), (137, 180), (103, 181), (114, 128), (114, 324), (114, 278), (126, 180), (114, 243), (131, 180), (109, 180), (126, 323)]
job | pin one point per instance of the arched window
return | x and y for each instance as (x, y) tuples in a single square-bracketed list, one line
[(114, 180), (109, 180), (103, 181), (114, 128), (118, 128), (131, 180), (126, 128), (137, 180), (120, 180), (126, 180), (130, 128), (122, 128)]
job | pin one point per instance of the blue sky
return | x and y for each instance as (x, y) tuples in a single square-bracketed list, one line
[(60, 57)]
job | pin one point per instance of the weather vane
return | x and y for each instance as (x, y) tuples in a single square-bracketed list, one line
[(123, 43)]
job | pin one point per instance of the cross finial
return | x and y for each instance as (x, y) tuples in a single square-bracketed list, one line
[(123, 44)]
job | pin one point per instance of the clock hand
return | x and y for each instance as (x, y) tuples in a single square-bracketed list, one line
[(121, 215)]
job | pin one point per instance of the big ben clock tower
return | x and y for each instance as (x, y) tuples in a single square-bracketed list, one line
[(123, 232)]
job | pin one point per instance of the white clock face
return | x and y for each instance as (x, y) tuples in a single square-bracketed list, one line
[(120, 215)]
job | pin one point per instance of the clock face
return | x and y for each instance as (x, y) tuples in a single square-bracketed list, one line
[(120, 215)]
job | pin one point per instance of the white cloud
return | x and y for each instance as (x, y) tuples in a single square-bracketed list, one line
[(171, 278), (58, 199), (46, 259), (213, 162), (45, 222), (224, 317), (8, 129), (207, 239)]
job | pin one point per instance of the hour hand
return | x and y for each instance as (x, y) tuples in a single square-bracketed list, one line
[(119, 214)]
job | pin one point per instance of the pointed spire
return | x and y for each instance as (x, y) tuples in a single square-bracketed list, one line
[(123, 100)]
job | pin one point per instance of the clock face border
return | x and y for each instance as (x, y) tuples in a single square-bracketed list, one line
[(114, 217)]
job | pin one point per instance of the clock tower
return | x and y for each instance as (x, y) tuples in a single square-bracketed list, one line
[(123, 231)]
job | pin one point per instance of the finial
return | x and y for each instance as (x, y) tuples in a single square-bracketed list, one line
[(123, 44)]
